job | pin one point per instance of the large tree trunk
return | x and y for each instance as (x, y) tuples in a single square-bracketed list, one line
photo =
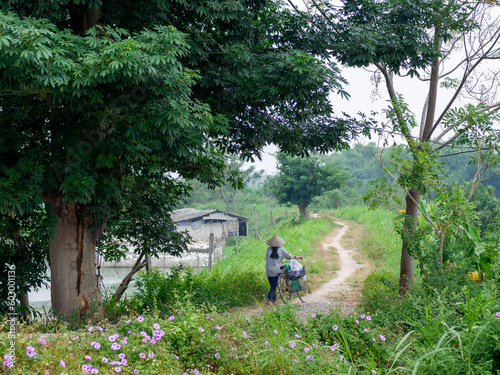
[(303, 211), (72, 259), (406, 271)]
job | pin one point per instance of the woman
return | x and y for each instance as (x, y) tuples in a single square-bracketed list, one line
[(274, 255)]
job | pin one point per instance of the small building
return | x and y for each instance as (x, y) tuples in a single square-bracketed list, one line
[(199, 224)]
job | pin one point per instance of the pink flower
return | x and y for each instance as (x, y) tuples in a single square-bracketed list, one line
[(313, 316), (41, 341), (201, 330), (382, 337), (113, 337), (88, 358), (139, 319), (368, 318), (62, 363), (335, 327), (362, 316), (118, 369), (142, 355), (171, 317), (30, 351), (156, 326), (115, 346)]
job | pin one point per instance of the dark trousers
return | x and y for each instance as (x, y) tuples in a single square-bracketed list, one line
[(273, 283)]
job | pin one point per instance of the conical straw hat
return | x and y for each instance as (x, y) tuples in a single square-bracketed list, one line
[(275, 241)]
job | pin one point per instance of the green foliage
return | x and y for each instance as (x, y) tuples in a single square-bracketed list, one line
[(487, 207), (299, 180), (159, 291), (24, 248), (448, 321), (401, 41)]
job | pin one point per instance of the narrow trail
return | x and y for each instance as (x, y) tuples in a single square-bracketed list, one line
[(336, 293)]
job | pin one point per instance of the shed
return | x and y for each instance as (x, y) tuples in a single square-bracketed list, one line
[(200, 223)]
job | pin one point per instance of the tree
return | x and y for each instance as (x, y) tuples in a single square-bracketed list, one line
[(108, 108), (299, 180), (419, 40), (235, 166)]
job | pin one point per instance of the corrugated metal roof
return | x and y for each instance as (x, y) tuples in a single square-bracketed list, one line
[(188, 214)]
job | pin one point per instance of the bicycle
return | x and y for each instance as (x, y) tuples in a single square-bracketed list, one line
[(292, 287)]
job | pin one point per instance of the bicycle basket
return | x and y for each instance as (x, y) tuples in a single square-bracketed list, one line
[(295, 275)]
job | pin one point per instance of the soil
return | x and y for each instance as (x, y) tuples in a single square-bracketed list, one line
[(341, 292)]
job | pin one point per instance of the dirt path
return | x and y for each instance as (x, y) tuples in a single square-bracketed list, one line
[(340, 292)]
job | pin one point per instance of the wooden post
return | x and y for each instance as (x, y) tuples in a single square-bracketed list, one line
[(257, 237), (270, 210), (210, 251)]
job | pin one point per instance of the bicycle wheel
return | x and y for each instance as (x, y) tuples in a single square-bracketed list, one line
[(284, 288), (303, 292)]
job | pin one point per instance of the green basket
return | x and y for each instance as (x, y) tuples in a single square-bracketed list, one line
[(295, 285)]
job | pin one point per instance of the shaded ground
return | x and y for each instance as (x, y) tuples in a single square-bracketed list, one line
[(342, 291)]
